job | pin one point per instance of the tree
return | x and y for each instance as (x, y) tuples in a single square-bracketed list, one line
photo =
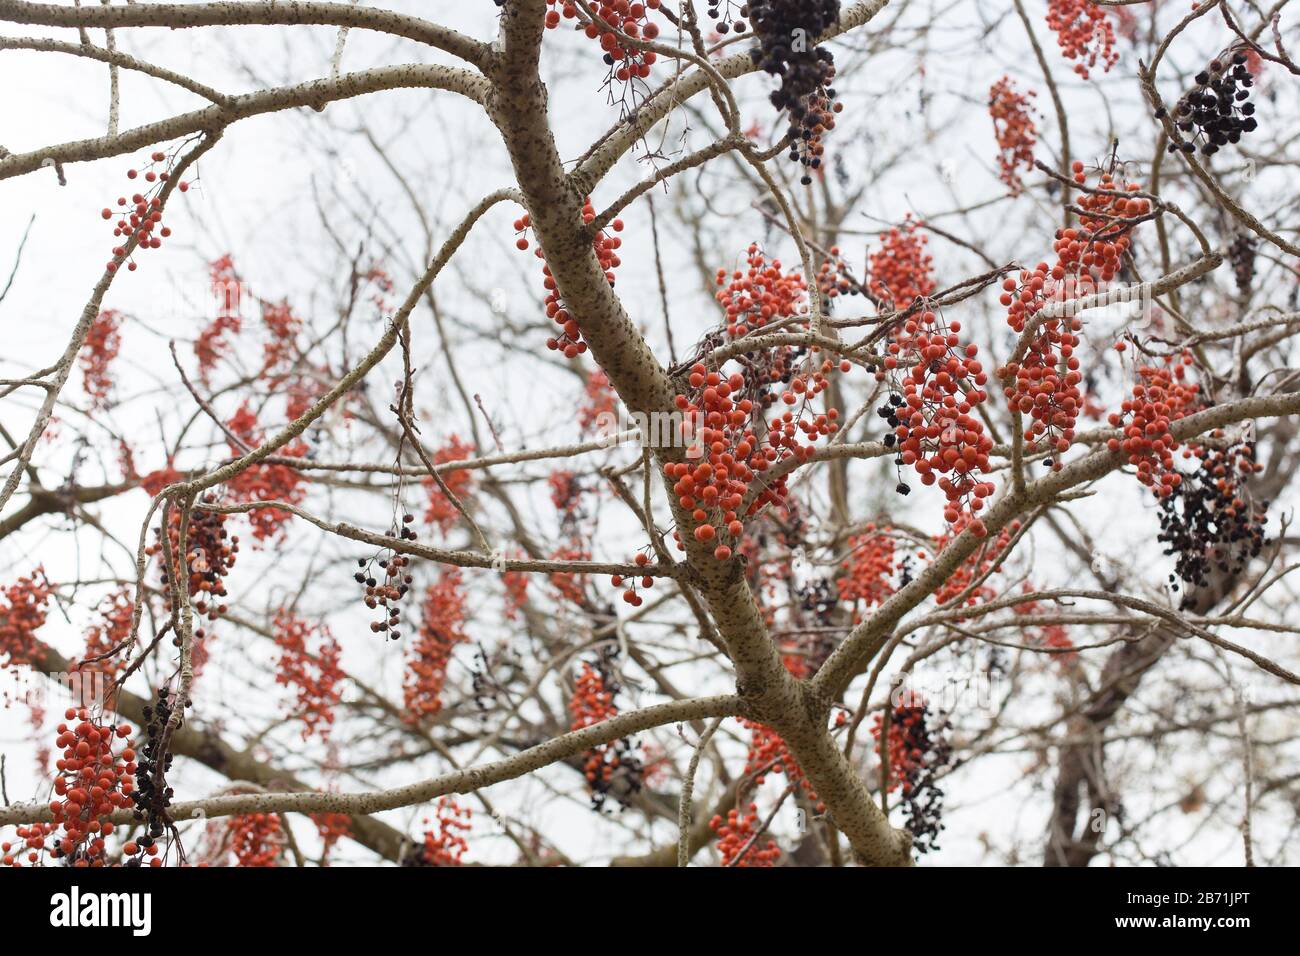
[(430, 576)]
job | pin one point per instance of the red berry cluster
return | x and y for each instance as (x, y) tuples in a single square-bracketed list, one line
[(516, 586), (441, 512), (441, 629), (569, 341), (264, 482), (1015, 131), (631, 18), (103, 341), (736, 833), (630, 595), (109, 634), (936, 385), (1084, 33), (1053, 636), (869, 569), (1161, 395), (227, 295), (571, 587), (21, 615), (900, 271), (753, 297), (282, 328), (599, 403), (769, 754), (141, 218), (975, 567), (312, 671), (714, 489), (331, 827), (256, 839), (93, 782), (444, 843), (1045, 383), (611, 769)]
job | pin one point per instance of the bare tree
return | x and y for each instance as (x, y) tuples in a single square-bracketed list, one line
[(1004, 479)]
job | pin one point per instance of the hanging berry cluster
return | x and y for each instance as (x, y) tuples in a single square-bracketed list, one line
[(387, 595), (599, 402), (1044, 384), (93, 782), (737, 843), (264, 482), (444, 842), (152, 796), (1161, 395), (256, 839), (918, 752), (212, 553), (21, 615), (309, 664), (936, 384), (630, 18), (331, 828), (714, 489), (516, 588), (630, 595), (141, 218), (441, 630), (760, 294), (569, 341), (1054, 637), (1217, 112), (227, 298), (1084, 32), (282, 326), (900, 271), (460, 482), (1241, 256), (103, 342), (769, 754), (868, 570), (612, 770), (833, 277), (728, 16), (1210, 521), (1015, 131), (975, 568), (108, 635), (785, 30)]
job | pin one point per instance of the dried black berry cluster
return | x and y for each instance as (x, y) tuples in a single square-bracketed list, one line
[(922, 797), (1241, 253), (392, 590), (818, 598), (728, 16), (889, 412), (1218, 111), (151, 795), (786, 30), (1210, 522)]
